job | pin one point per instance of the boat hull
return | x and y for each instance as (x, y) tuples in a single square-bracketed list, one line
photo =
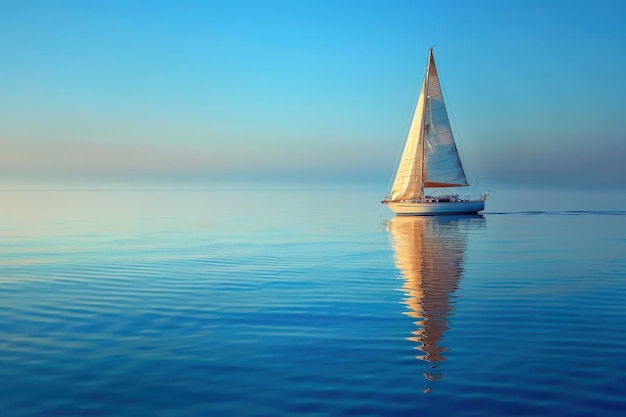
[(436, 208)]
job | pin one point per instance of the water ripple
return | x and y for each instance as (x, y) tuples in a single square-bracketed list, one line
[(314, 316)]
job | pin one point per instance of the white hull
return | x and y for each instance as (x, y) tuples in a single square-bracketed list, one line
[(436, 208)]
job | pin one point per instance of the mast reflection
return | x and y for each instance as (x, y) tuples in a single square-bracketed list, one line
[(429, 252)]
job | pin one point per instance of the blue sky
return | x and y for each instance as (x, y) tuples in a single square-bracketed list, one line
[(309, 89)]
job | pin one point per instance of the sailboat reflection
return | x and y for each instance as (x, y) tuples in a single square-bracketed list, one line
[(429, 252)]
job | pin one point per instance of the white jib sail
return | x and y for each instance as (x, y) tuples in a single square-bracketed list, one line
[(443, 165)]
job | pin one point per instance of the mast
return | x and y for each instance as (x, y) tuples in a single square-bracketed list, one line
[(423, 127)]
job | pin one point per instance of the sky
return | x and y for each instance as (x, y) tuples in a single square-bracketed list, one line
[(309, 90)]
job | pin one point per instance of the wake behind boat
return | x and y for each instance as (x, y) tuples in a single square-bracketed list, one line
[(430, 159)]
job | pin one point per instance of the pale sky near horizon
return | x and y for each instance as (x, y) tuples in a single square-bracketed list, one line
[(311, 89)]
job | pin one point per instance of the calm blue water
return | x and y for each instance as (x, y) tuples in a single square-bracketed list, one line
[(284, 300)]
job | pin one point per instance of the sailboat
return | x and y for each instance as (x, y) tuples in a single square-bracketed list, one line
[(430, 159)]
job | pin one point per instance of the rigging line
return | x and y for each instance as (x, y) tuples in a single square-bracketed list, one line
[(397, 166), (467, 166)]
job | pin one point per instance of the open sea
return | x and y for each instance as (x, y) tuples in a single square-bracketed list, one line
[(285, 299)]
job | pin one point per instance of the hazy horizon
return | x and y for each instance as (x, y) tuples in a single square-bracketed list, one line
[(309, 90)]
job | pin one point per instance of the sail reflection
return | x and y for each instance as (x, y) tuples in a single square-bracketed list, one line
[(429, 252)]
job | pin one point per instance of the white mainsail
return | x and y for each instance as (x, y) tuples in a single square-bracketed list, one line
[(430, 157)]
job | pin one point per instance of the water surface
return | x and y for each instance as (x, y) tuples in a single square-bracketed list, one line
[(242, 299)]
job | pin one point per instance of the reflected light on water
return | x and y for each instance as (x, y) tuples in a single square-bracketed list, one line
[(429, 253)]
